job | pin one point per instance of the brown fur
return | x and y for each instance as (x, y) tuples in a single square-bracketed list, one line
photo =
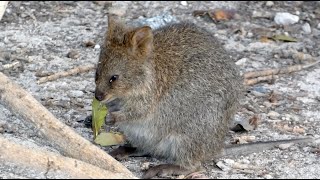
[(178, 89)]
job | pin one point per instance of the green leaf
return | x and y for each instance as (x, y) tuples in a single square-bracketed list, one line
[(284, 38), (109, 139), (99, 112)]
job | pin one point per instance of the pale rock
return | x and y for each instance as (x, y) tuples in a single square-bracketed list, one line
[(269, 3), (268, 176), (250, 34), (76, 93), (245, 161), (184, 3), (229, 162), (97, 46), (222, 166), (306, 28), (273, 115), (285, 146), (118, 8), (241, 61), (284, 18)]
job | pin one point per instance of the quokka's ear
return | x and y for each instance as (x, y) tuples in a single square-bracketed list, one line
[(116, 30), (141, 40)]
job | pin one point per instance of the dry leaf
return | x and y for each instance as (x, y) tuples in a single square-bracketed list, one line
[(109, 139), (254, 121), (284, 38), (264, 39), (298, 130), (273, 97), (222, 14)]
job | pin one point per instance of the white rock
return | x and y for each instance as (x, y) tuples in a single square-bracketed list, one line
[(285, 146), (241, 62), (119, 8), (285, 18), (229, 162), (268, 176), (222, 166), (184, 3), (306, 28), (273, 115), (269, 3), (245, 161), (76, 93), (318, 26), (97, 46)]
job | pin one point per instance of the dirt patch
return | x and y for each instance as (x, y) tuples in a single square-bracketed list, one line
[(47, 37)]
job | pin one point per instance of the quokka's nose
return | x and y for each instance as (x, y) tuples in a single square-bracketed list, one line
[(99, 95)]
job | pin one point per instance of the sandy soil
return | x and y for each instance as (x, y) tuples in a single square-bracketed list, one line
[(39, 35)]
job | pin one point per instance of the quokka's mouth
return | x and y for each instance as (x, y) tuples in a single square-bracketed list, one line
[(108, 98)]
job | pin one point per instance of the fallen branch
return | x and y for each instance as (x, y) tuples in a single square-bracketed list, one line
[(72, 144), (12, 65), (3, 6), (45, 162), (76, 70), (284, 70), (253, 81)]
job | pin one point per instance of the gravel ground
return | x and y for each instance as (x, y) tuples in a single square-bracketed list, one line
[(47, 37)]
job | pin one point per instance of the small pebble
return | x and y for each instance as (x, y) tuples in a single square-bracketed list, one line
[(73, 54), (267, 104), (119, 8), (306, 28), (241, 61), (184, 3), (245, 161), (273, 115), (318, 26), (222, 166), (268, 176), (76, 93), (145, 166), (285, 146), (269, 3), (285, 18), (250, 34), (97, 46), (229, 162)]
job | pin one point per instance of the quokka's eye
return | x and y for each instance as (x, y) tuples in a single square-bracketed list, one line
[(113, 78)]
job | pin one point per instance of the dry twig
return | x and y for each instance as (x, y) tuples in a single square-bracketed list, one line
[(58, 134), (12, 65), (253, 81), (284, 70), (271, 74), (76, 70), (3, 6), (45, 161)]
